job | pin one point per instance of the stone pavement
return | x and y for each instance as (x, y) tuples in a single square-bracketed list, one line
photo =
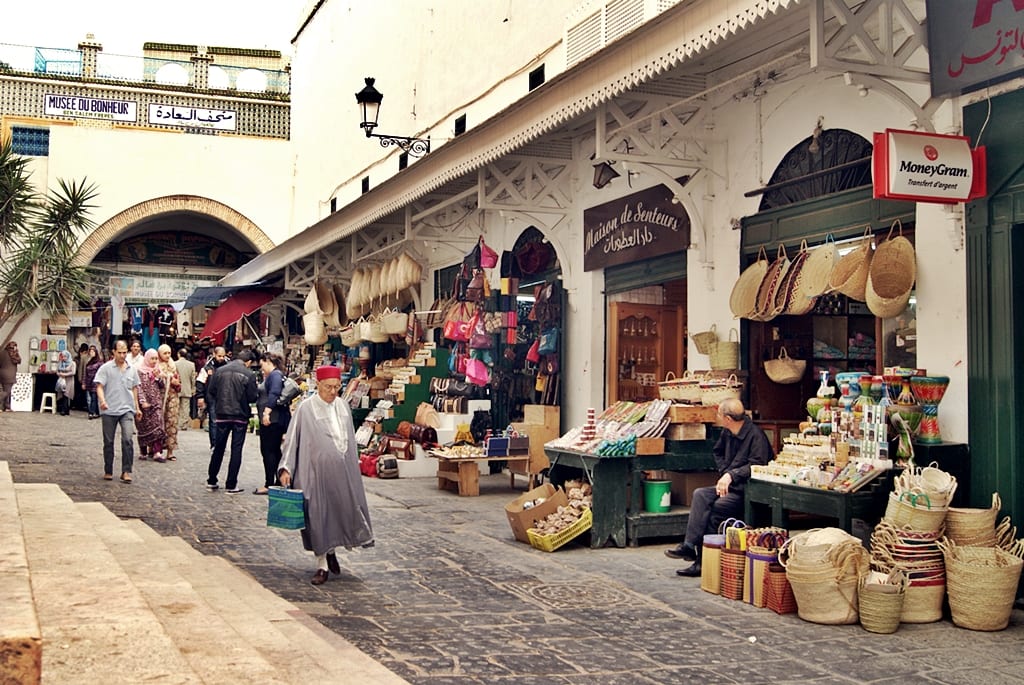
[(448, 596)]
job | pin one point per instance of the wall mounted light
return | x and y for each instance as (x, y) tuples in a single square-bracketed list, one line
[(369, 99), (603, 174)]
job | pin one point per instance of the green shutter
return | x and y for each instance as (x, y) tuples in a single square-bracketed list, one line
[(655, 271)]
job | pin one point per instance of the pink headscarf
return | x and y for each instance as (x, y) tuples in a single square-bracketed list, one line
[(149, 362)]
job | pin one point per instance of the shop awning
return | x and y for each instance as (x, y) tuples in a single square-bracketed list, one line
[(238, 305), (209, 294)]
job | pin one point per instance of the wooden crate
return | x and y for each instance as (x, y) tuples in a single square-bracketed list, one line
[(681, 413), (650, 446), (687, 431)]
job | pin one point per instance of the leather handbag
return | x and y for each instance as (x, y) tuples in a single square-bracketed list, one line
[(477, 372), (426, 415), (488, 257), (548, 341)]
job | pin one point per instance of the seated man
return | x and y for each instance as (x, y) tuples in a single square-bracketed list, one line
[(741, 444)]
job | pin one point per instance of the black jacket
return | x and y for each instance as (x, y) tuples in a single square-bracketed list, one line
[(210, 366), (233, 389), (735, 453)]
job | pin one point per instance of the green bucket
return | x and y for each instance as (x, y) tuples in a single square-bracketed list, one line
[(657, 496)]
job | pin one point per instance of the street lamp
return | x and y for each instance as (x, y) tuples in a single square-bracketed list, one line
[(369, 99), (603, 174)]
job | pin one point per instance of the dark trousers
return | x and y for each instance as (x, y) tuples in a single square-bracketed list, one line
[(707, 512), (270, 449), (110, 424), (211, 425), (236, 431)]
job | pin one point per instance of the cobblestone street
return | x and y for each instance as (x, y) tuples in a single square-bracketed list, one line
[(448, 596)]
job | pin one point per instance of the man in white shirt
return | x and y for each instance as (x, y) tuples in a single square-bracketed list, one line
[(135, 354)]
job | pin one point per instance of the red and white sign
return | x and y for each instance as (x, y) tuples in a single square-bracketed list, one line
[(927, 167)]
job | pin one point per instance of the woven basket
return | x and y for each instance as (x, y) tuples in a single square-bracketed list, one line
[(903, 513), (784, 293), (982, 585), (923, 603), (724, 355), (733, 563), (313, 326), (764, 310), (785, 370), (813, 278), (973, 527), (880, 605), (778, 594), (702, 341), (711, 569), (713, 393), (743, 298), (850, 275), (685, 389), (891, 275)]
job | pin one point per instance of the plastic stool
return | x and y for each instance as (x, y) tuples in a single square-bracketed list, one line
[(48, 401)]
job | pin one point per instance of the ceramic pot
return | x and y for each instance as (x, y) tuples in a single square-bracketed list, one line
[(929, 391), (815, 405)]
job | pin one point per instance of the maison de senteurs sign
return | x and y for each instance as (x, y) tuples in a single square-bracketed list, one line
[(639, 226)]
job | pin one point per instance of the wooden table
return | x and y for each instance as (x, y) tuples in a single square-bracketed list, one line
[(462, 474), (867, 504), (617, 485)]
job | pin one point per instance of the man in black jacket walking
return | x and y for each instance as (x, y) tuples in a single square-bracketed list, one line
[(233, 390), (204, 400)]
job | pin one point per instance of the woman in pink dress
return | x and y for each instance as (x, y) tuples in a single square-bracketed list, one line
[(150, 424), (172, 386)]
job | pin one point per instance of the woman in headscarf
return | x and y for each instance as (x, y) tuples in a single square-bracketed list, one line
[(150, 424), (95, 362), (172, 386), (66, 380)]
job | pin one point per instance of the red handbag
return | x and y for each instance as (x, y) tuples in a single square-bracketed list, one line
[(456, 330), (488, 257), (533, 354)]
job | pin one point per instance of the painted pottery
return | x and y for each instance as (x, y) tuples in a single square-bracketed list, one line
[(929, 391)]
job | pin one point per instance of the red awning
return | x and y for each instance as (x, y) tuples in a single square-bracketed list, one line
[(235, 307)]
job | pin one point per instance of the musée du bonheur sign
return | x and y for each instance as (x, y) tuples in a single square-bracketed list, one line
[(638, 226), (927, 167)]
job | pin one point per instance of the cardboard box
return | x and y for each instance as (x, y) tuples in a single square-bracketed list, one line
[(650, 445), (542, 414), (686, 431), (522, 519), (683, 484)]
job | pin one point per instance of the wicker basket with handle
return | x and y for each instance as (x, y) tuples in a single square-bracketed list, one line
[(784, 369)]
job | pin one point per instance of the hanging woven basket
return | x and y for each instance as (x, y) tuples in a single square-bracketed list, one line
[(743, 299), (850, 275), (785, 370), (891, 275)]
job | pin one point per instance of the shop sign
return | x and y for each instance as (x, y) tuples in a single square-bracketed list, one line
[(639, 226), (89, 108), (192, 117), (927, 167), (974, 43), (154, 288)]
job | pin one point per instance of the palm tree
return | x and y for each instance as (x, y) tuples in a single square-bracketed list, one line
[(39, 239)]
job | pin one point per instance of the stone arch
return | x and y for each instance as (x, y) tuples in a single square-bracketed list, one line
[(150, 209)]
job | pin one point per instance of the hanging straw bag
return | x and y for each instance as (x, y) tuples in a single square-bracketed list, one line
[(784, 293), (724, 355), (764, 310), (891, 276), (785, 370), (314, 331), (812, 279), (981, 583), (850, 275), (743, 299), (394, 322), (704, 339)]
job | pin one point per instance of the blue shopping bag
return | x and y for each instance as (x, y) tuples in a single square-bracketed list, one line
[(286, 508)]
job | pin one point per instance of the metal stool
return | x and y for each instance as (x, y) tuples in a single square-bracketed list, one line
[(48, 402)]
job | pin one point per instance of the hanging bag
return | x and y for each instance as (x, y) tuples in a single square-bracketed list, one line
[(548, 341), (286, 507), (488, 257)]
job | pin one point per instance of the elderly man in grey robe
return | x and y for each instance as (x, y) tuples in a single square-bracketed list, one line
[(322, 459)]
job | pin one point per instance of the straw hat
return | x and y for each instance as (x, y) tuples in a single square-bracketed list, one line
[(850, 275), (413, 270), (784, 293), (891, 275), (744, 293), (325, 295), (813, 278)]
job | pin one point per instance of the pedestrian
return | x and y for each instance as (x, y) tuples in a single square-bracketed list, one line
[(82, 362), (172, 386), (66, 381), (322, 458), (274, 417), (205, 402), (187, 373), (89, 385), (9, 361), (135, 355), (741, 444), (117, 388), (232, 390), (151, 401)]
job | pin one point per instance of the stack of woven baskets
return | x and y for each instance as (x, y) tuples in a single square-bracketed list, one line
[(824, 567)]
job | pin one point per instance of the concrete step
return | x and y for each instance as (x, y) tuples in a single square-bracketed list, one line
[(297, 641), (21, 642), (95, 623), (206, 637)]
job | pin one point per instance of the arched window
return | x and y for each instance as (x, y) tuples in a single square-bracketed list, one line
[(174, 74), (252, 80), (826, 162)]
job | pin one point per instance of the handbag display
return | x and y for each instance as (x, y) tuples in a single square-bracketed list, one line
[(286, 508), (477, 372), (548, 341), (488, 257)]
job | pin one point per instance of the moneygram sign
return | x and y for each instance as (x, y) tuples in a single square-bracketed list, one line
[(90, 108), (926, 167)]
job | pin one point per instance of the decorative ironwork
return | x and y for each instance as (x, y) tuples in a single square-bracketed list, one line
[(417, 147), (841, 161)]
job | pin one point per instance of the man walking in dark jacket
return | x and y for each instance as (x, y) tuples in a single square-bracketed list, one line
[(233, 390), (205, 401)]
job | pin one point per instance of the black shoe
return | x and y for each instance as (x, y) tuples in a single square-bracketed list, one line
[(332, 563), (690, 571), (683, 551)]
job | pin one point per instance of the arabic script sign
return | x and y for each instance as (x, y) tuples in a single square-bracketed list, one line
[(926, 167), (973, 43), (638, 226), (192, 117), (89, 108)]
